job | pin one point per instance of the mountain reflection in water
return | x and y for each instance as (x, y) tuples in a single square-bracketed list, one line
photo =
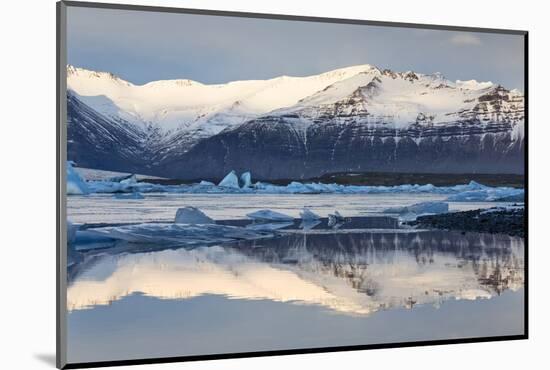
[(355, 273)]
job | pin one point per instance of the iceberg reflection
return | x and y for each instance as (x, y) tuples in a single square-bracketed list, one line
[(355, 273)]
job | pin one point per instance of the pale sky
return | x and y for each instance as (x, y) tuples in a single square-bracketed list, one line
[(146, 46)]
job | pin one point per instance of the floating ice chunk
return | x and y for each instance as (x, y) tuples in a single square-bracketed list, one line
[(336, 219), (206, 183), (473, 185), (75, 184), (268, 215), (405, 217), (246, 180), (131, 180), (270, 226), (134, 195), (230, 181), (86, 240), (421, 208), (119, 178), (71, 232), (307, 214), (192, 215), (308, 224), (179, 234)]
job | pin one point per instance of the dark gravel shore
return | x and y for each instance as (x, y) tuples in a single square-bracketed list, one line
[(495, 221)]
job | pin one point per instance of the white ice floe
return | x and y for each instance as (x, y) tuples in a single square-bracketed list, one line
[(230, 181), (71, 232), (192, 215), (335, 219), (75, 184), (178, 234), (246, 180), (269, 215), (421, 208), (307, 214), (308, 224), (130, 180)]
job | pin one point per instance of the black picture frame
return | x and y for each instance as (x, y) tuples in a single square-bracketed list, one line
[(61, 155)]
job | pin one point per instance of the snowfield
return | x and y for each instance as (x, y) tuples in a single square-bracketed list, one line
[(191, 105), (184, 111)]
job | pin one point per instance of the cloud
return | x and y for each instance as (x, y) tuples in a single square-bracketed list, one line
[(465, 39)]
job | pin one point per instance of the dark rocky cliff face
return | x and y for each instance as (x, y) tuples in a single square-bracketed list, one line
[(95, 141), (276, 150), (345, 136)]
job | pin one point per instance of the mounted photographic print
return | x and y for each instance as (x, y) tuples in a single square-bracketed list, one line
[(237, 184)]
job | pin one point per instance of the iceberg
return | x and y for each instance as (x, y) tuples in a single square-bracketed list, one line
[(71, 232), (192, 215), (130, 180), (120, 178), (307, 214), (308, 224), (230, 181), (336, 220), (269, 215), (246, 180), (75, 184)]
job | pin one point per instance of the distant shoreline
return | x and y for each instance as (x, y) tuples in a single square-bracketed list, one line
[(383, 179)]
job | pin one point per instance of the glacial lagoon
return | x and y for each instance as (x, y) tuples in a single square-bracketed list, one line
[(365, 282)]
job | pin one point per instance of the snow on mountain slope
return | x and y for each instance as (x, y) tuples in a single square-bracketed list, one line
[(359, 118), (399, 100), (376, 120), (189, 110)]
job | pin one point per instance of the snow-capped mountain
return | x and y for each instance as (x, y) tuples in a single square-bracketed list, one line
[(181, 112), (358, 118)]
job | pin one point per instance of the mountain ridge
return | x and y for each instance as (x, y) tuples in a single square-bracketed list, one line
[(308, 126)]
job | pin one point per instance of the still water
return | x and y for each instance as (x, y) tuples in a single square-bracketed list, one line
[(304, 289)]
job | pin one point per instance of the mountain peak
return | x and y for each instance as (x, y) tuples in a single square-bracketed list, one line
[(76, 72)]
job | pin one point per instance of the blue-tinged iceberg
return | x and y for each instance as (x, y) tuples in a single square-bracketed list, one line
[(71, 232), (75, 184), (335, 220), (246, 180), (192, 215), (307, 214), (230, 181)]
